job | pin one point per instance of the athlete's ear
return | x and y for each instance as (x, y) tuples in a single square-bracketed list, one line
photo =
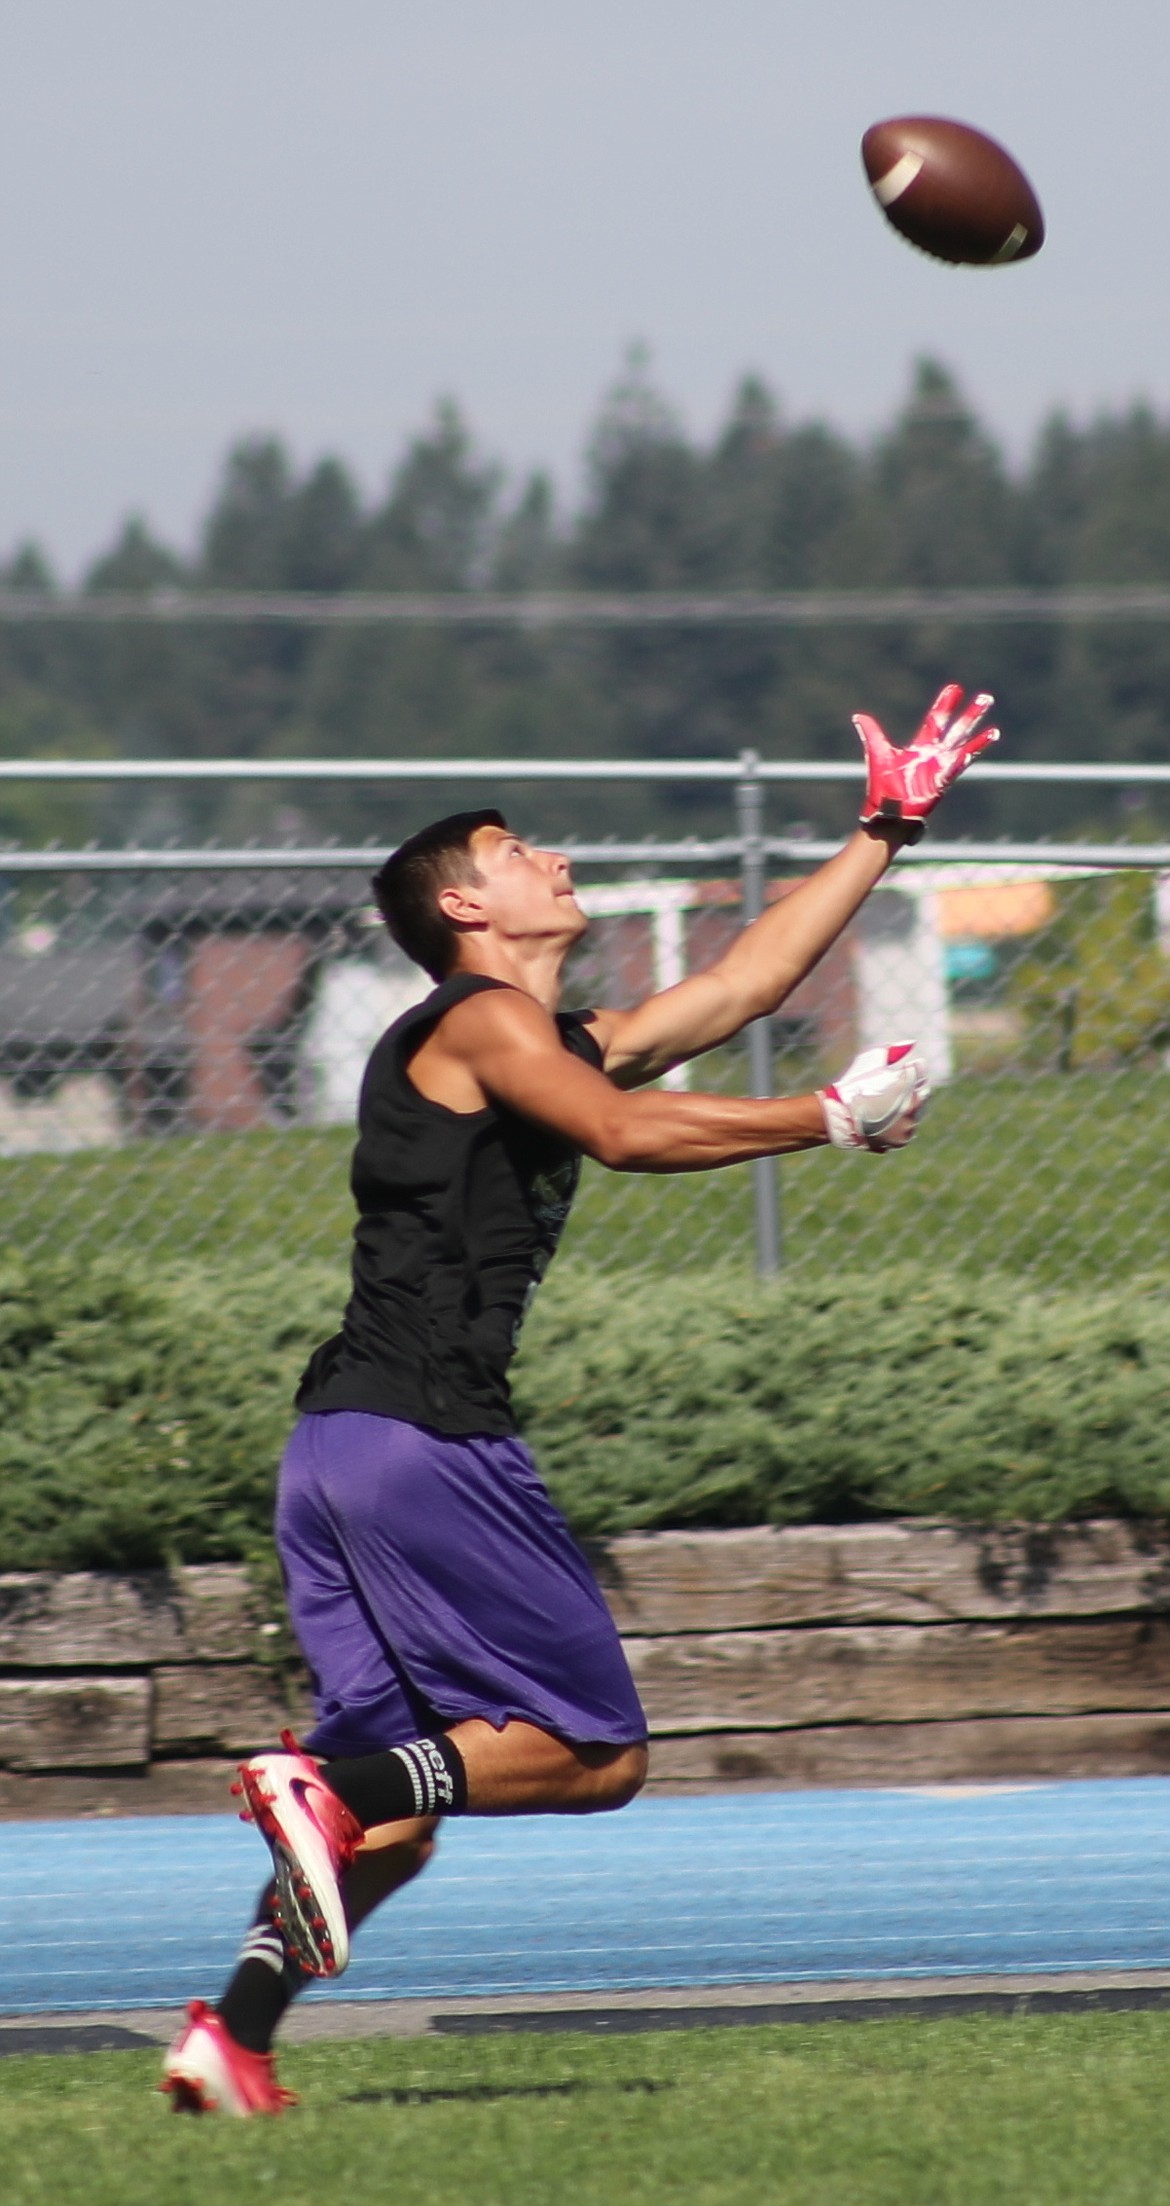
[(462, 904)]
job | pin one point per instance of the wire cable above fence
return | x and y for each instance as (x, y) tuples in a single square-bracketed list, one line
[(591, 608), (726, 850)]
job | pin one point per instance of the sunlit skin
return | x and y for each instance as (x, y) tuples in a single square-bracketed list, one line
[(522, 911), (516, 921)]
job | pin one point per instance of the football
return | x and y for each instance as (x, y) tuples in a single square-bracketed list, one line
[(952, 191)]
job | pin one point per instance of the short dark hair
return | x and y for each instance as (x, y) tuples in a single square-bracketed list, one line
[(406, 888)]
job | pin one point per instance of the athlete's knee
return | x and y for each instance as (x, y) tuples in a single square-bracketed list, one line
[(623, 1776)]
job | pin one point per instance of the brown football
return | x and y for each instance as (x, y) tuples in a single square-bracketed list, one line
[(952, 191)]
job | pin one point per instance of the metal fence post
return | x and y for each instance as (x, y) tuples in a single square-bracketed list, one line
[(749, 802)]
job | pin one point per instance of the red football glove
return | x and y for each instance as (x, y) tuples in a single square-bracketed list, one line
[(907, 784)]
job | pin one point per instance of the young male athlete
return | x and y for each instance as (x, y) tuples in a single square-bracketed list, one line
[(463, 1659)]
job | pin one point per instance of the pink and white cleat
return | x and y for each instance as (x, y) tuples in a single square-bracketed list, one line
[(313, 1837), (206, 2072)]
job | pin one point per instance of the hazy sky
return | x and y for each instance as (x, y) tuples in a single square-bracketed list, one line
[(226, 215)]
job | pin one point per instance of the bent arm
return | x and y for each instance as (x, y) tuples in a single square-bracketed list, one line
[(763, 966), (514, 1053)]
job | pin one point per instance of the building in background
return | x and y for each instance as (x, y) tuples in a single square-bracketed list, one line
[(356, 998), (224, 1002)]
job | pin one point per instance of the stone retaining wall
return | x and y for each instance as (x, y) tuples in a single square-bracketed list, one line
[(859, 1654)]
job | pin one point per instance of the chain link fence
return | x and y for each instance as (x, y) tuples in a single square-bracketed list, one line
[(182, 1037)]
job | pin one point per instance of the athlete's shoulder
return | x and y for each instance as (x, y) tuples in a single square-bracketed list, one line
[(499, 1017), (509, 1016)]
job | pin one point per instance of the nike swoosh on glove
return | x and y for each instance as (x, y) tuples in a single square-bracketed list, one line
[(878, 1100)]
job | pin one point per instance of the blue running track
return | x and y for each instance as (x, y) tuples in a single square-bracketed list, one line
[(763, 1888)]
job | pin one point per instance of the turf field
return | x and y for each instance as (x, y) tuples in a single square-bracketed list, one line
[(1061, 1177), (1056, 2110)]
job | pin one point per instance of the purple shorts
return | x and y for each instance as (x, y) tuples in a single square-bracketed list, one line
[(430, 1579)]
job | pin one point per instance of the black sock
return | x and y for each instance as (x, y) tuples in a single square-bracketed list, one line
[(267, 1980), (425, 1778)]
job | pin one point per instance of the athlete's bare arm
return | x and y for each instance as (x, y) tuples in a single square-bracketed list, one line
[(774, 955), (763, 966), (503, 1047)]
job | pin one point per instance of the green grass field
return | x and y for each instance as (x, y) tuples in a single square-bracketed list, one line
[(1055, 2110), (1066, 1179)]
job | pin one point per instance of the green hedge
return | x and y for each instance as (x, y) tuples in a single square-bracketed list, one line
[(712, 1400), (144, 1411)]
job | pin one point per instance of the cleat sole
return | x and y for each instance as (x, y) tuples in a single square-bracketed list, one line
[(313, 1950), (296, 1907)]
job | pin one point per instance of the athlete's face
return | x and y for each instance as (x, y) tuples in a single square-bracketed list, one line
[(526, 892)]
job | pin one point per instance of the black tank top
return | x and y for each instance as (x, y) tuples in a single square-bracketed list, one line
[(458, 1217)]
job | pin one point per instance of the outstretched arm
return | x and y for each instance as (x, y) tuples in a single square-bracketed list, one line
[(764, 964), (503, 1047), (772, 956)]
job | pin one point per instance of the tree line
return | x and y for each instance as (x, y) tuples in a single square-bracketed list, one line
[(766, 504)]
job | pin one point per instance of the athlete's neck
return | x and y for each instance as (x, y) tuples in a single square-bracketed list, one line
[(535, 967)]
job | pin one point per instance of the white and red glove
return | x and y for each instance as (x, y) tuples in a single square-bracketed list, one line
[(877, 1102), (905, 784)]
